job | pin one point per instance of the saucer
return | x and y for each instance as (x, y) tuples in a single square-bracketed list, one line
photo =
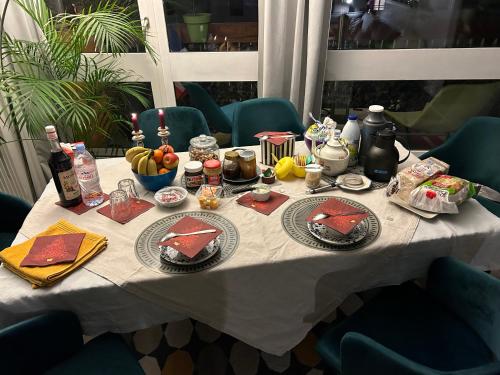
[(343, 184)]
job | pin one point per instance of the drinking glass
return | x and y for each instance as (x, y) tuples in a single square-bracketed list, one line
[(120, 205), (128, 186)]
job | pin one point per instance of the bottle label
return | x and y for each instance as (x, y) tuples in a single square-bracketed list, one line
[(69, 184), (353, 153), (194, 181), (214, 180)]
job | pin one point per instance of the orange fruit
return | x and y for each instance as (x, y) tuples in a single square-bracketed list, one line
[(163, 171), (158, 156)]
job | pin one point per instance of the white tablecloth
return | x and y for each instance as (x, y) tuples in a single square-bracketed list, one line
[(102, 306)]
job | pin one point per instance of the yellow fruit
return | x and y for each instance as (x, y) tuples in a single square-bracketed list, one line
[(151, 168), (142, 167), (131, 152), (135, 161)]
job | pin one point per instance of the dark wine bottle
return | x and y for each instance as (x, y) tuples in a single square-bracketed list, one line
[(62, 171)]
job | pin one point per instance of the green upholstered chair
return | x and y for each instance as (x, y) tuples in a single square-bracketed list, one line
[(256, 115), (14, 211), (184, 123), (52, 343), (473, 153), (450, 108), (220, 119), (451, 327)]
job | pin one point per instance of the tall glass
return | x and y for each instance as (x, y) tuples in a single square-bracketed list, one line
[(128, 186)]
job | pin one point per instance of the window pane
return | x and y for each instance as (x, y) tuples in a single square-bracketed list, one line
[(76, 7), (428, 110), (212, 25), (357, 24)]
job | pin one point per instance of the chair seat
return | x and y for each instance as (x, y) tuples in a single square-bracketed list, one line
[(107, 354), (492, 206), (432, 335), (229, 110), (6, 239)]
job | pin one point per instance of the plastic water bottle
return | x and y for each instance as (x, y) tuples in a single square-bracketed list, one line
[(88, 177), (351, 135)]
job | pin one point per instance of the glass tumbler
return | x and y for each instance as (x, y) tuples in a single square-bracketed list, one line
[(120, 205), (128, 186)]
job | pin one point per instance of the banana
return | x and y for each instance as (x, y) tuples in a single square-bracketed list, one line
[(151, 169), (142, 167), (135, 161), (131, 152)]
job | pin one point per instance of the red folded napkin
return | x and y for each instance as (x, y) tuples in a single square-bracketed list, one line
[(48, 250), (137, 207), (344, 223), (275, 141), (82, 208), (190, 246), (267, 207)]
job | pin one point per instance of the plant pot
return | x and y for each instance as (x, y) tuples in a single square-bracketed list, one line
[(197, 26)]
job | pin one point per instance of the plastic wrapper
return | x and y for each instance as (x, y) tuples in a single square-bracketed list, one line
[(442, 194), (411, 177)]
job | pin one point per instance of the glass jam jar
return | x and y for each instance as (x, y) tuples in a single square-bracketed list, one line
[(193, 174), (213, 172), (248, 164), (231, 166), (203, 148)]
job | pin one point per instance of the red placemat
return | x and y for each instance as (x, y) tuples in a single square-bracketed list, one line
[(137, 207), (82, 208), (345, 222), (267, 207), (190, 246), (48, 250)]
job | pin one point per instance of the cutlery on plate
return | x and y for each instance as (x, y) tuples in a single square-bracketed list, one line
[(173, 234), (322, 215)]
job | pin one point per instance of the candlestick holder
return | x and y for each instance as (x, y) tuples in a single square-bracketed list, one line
[(163, 133), (138, 138)]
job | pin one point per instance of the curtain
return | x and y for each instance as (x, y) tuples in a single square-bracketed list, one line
[(293, 43), (23, 168)]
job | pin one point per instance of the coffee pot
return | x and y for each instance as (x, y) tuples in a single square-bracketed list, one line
[(372, 123), (382, 158)]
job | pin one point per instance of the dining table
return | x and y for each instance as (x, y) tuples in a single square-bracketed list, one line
[(270, 291)]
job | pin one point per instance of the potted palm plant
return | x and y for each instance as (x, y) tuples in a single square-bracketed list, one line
[(50, 81), (197, 24)]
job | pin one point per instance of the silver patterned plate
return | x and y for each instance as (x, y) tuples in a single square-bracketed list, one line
[(171, 255), (332, 237)]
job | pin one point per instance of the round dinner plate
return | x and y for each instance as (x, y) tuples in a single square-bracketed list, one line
[(171, 255), (332, 237), (243, 180)]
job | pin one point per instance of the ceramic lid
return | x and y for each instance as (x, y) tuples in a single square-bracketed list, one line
[(203, 141)]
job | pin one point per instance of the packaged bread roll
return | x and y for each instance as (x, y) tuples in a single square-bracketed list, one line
[(411, 177)]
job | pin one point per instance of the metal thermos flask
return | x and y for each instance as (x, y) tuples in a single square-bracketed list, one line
[(372, 123)]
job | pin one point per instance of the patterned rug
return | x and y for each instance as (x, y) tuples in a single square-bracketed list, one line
[(190, 347)]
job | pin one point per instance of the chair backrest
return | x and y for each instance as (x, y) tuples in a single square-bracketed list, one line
[(473, 152), (201, 100), (454, 104), (256, 115), (184, 123), (14, 211)]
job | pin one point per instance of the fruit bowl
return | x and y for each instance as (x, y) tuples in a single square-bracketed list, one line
[(155, 183)]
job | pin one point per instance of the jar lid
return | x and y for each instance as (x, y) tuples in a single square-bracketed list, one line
[(212, 164), (203, 141), (231, 155), (247, 155), (193, 166)]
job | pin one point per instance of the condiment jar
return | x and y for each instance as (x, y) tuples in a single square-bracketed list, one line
[(313, 175), (193, 174), (248, 164), (231, 166), (213, 172), (203, 148)]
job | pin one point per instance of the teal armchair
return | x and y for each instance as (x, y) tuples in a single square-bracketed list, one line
[(220, 119), (452, 327), (256, 115), (473, 153), (52, 343), (14, 211), (184, 123)]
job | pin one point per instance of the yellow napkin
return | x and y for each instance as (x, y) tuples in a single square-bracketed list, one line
[(12, 257)]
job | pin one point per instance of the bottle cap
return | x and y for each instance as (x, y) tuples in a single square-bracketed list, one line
[(352, 117), (50, 129), (80, 147)]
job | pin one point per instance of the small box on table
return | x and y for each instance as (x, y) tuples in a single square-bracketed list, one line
[(279, 144)]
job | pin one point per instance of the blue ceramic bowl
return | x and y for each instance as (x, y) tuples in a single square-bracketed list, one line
[(155, 183)]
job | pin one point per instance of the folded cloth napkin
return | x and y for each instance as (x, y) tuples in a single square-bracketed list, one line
[(91, 245), (344, 217), (190, 246), (48, 250)]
